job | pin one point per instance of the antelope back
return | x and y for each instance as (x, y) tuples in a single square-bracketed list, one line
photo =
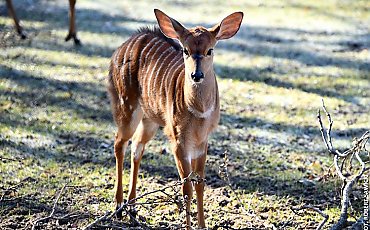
[(148, 66)]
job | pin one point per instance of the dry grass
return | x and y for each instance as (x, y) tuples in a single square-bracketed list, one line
[(56, 127)]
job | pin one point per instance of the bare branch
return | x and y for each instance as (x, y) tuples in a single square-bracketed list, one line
[(330, 124), (98, 220), (322, 130), (327, 138), (11, 159), (326, 217), (349, 181), (192, 177), (52, 211), (338, 169)]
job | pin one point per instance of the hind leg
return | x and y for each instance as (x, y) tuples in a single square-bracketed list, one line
[(126, 129), (120, 145), (144, 132), (9, 4)]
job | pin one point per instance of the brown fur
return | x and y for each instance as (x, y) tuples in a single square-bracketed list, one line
[(151, 85)]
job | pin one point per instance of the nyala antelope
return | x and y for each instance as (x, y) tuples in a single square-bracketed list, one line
[(72, 27), (164, 77)]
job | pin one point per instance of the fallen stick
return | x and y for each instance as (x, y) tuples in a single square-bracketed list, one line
[(326, 216), (52, 211)]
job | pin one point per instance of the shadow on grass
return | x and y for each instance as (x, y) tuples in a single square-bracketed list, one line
[(291, 129), (42, 92), (332, 13), (264, 75), (56, 17)]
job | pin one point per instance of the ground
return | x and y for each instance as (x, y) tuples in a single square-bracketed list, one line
[(56, 126)]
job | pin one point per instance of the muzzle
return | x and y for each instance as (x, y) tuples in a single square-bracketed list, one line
[(197, 75)]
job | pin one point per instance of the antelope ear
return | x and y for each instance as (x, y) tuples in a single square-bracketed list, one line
[(228, 26), (169, 26)]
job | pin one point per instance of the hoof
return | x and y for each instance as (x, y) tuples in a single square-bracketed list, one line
[(133, 213), (75, 39), (69, 36), (119, 213), (22, 34)]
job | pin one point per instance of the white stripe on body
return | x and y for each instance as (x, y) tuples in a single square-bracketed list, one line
[(154, 40), (170, 77), (158, 40), (128, 63), (169, 49), (170, 112), (127, 51), (149, 78)]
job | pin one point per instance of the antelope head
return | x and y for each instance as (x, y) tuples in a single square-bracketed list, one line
[(198, 42)]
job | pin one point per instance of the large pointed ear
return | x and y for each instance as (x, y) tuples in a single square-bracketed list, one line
[(228, 27), (169, 26)]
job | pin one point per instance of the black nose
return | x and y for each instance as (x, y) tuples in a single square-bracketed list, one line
[(197, 76)]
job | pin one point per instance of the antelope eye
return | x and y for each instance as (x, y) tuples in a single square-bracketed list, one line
[(209, 52), (186, 52)]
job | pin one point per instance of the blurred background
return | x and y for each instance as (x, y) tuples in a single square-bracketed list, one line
[(56, 124)]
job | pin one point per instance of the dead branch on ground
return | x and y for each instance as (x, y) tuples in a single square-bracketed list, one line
[(8, 190), (175, 198), (349, 179), (326, 217), (51, 215)]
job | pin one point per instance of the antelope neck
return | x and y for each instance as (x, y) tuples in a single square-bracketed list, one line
[(200, 99)]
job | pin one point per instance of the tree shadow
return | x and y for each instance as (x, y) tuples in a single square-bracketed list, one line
[(264, 75), (292, 44), (329, 13), (54, 16), (37, 96)]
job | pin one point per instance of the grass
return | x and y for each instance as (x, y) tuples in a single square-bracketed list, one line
[(56, 126)]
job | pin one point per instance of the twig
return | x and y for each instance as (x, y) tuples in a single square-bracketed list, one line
[(11, 159), (326, 217), (136, 222), (123, 206), (348, 182), (111, 226), (97, 221), (6, 191), (192, 177), (52, 211)]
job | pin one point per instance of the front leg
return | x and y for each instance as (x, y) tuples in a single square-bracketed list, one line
[(72, 25), (198, 167), (184, 168)]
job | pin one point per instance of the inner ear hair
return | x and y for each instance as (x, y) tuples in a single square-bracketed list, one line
[(215, 29), (169, 26), (228, 27), (179, 28)]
